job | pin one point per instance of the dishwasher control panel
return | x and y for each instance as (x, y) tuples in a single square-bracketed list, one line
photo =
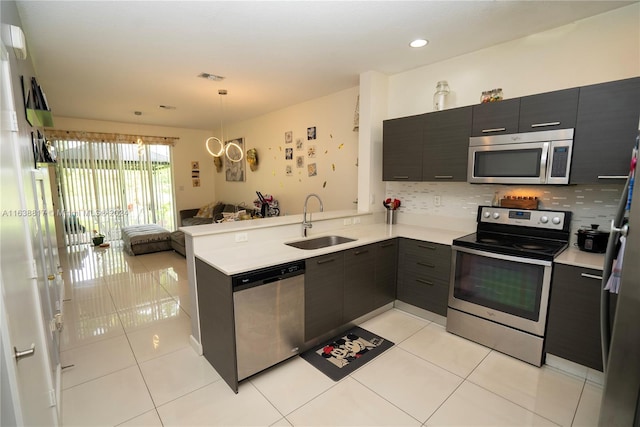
[(269, 274)]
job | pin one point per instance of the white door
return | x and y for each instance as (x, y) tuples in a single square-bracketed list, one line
[(28, 394)]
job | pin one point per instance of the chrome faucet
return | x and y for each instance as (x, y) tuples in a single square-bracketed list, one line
[(307, 224)]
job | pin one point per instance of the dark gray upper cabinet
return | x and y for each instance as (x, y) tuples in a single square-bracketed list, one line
[(546, 111), (323, 294), (496, 118), (402, 148), (446, 144), (606, 129)]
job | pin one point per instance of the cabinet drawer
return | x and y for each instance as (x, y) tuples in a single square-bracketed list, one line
[(428, 294), (434, 269), (426, 251)]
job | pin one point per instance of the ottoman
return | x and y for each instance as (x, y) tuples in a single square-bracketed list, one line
[(144, 239), (177, 242)]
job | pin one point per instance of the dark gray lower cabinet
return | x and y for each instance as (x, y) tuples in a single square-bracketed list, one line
[(386, 272), (323, 294), (343, 286), (359, 288), (217, 326), (573, 326), (424, 269)]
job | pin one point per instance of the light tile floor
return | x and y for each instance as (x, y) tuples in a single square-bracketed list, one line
[(126, 335)]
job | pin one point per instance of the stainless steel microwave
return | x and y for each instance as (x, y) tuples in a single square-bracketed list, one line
[(522, 158)]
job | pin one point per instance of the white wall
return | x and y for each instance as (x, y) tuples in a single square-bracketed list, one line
[(190, 147), (593, 50), (336, 155)]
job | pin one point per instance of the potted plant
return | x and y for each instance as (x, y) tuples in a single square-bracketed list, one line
[(98, 238)]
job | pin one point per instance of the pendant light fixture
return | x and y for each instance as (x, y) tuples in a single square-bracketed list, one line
[(216, 146)]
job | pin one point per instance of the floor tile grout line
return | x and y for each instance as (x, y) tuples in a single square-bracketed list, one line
[(511, 401), (575, 413), (268, 400), (383, 398)]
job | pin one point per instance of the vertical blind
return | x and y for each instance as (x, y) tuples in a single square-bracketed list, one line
[(106, 185)]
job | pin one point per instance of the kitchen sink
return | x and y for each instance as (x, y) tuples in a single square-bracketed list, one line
[(320, 242)]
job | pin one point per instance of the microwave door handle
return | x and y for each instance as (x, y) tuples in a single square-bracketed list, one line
[(543, 163)]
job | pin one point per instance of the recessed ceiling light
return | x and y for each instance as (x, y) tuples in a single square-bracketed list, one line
[(213, 77), (419, 43)]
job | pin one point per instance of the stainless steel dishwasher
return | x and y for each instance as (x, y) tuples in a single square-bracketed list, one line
[(269, 316)]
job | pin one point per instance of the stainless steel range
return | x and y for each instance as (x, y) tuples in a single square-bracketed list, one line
[(501, 276)]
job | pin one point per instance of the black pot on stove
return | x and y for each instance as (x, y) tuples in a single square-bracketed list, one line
[(592, 239)]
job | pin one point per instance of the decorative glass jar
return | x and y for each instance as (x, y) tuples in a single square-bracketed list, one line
[(442, 90)]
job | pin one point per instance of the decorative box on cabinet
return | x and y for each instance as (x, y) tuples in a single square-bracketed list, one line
[(424, 269)]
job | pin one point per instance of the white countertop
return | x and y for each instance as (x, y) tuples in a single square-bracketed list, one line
[(574, 256), (252, 255), (270, 249)]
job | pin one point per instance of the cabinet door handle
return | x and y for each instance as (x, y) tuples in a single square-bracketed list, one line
[(541, 125), (386, 245), (424, 282), (493, 130), (361, 252), (591, 276), (612, 176), (426, 247), (443, 177), (324, 261), (425, 264), (400, 177)]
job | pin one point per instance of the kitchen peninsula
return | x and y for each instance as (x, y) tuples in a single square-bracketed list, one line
[(218, 252)]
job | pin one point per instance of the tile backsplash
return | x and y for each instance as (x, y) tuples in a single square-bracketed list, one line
[(590, 204)]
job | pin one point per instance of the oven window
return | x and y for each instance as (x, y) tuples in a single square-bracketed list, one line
[(506, 286), (508, 163)]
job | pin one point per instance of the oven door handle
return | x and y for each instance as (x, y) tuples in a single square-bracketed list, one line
[(487, 254)]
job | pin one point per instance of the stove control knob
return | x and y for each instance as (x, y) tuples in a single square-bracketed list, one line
[(556, 220), (544, 219), (496, 215), (487, 214)]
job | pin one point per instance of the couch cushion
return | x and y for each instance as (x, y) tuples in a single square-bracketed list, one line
[(207, 210), (196, 221)]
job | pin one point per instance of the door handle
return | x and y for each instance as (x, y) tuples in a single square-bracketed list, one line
[(24, 353)]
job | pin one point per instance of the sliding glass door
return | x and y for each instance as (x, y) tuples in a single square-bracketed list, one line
[(105, 186)]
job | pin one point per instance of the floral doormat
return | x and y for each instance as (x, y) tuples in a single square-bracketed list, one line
[(342, 355)]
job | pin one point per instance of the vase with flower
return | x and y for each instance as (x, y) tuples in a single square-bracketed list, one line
[(98, 238)]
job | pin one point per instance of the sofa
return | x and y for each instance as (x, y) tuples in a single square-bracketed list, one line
[(208, 214)]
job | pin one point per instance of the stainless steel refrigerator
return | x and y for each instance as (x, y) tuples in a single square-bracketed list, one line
[(621, 342)]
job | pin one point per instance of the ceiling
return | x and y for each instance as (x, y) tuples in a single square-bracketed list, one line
[(105, 60)]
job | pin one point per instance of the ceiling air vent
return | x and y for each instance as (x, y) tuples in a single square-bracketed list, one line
[(213, 77)]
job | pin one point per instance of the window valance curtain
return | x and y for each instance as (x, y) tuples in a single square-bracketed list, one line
[(75, 135)]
